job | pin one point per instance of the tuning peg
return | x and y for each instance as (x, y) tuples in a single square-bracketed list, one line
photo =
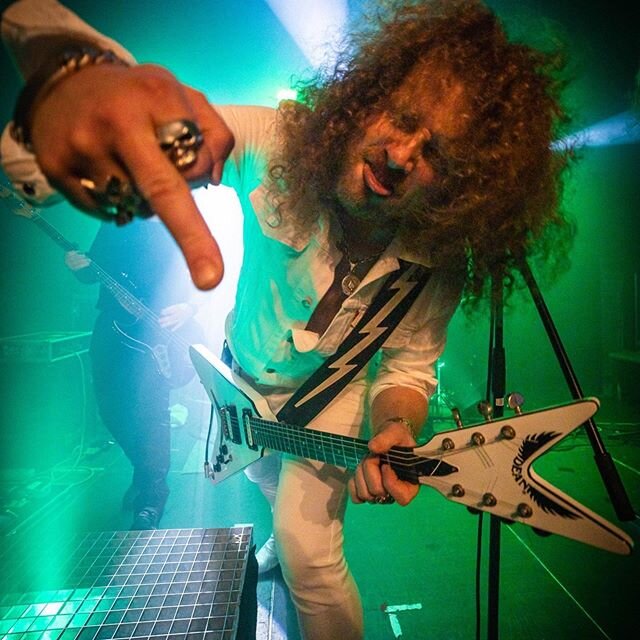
[(455, 412), (485, 409), (515, 401)]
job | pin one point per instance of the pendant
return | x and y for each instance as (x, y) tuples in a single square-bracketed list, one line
[(350, 283)]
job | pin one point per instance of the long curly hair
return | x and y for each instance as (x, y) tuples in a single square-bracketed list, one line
[(499, 186)]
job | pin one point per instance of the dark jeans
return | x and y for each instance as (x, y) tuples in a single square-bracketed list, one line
[(133, 401)]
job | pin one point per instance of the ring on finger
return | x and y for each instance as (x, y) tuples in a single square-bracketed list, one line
[(118, 198), (180, 140), (387, 499)]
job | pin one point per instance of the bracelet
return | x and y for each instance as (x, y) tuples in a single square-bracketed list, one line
[(72, 59), (405, 421)]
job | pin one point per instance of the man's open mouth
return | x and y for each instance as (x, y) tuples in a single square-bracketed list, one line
[(377, 179)]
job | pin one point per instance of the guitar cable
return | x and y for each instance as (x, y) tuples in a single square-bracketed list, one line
[(207, 466)]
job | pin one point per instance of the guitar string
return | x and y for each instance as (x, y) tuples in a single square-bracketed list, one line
[(312, 442), (352, 449), (359, 448), (400, 459)]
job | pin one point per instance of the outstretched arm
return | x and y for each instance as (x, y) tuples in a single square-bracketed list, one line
[(101, 121)]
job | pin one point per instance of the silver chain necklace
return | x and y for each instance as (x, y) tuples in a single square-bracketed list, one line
[(351, 281)]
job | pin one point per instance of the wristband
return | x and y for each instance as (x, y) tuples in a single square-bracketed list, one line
[(72, 59), (405, 421)]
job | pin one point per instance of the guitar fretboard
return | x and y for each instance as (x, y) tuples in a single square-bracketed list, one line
[(341, 451), (308, 443)]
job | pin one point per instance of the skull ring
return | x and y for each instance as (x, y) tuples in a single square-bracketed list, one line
[(180, 141), (118, 198)]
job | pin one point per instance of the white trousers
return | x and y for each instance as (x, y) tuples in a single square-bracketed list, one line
[(308, 525)]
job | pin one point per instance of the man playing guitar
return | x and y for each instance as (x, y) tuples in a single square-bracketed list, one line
[(138, 355)]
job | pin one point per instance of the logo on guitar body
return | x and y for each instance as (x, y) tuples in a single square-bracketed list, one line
[(531, 447)]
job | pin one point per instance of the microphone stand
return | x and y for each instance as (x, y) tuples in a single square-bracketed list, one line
[(496, 390)]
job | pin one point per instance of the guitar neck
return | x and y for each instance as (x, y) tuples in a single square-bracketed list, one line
[(52, 232), (341, 451), (124, 297)]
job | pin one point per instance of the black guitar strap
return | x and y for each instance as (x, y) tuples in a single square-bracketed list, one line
[(389, 306)]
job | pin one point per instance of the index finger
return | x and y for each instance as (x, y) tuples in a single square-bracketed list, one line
[(403, 492), (169, 196)]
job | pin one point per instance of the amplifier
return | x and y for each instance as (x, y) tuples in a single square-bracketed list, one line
[(44, 346)]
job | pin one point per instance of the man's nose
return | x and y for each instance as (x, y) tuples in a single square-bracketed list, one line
[(405, 152)]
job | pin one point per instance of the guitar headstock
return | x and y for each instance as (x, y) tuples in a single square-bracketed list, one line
[(16, 204), (489, 467)]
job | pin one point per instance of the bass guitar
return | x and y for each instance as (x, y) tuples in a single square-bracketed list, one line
[(487, 467), (168, 349)]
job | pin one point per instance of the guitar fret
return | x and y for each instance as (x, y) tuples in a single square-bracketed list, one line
[(309, 443)]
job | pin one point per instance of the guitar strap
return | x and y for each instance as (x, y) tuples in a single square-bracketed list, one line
[(387, 309)]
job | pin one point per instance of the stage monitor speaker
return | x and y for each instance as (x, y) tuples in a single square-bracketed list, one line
[(46, 397)]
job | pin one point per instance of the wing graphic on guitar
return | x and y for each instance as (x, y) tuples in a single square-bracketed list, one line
[(486, 466)]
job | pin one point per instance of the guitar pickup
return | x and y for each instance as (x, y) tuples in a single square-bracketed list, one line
[(230, 424), (248, 432)]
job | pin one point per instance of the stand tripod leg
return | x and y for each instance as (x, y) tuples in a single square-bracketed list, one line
[(604, 461)]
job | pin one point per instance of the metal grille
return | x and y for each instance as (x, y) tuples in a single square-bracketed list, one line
[(165, 584)]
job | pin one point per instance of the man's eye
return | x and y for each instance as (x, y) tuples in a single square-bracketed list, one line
[(407, 122)]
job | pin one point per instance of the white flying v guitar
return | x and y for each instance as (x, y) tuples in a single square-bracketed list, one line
[(486, 466)]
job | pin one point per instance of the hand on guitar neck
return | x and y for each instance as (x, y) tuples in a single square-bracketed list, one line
[(76, 260), (159, 335), (176, 316)]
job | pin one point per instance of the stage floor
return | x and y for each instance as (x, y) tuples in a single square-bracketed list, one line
[(416, 567)]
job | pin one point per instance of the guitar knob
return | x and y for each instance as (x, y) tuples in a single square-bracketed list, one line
[(508, 432), (524, 510), (486, 410), (455, 412), (489, 500), (515, 401), (457, 491), (448, 444)]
